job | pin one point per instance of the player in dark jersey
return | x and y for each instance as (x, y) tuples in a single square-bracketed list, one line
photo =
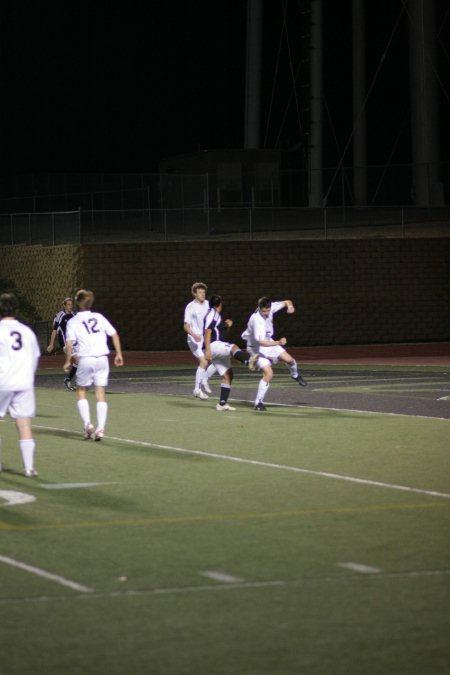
[(219, 351), (59, 334)]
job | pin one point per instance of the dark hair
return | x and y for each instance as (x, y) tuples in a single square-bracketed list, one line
[(215, 300), (8, 304), (264, 303)]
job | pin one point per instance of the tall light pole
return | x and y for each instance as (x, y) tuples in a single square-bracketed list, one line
[(253, 75), (316, 105), (359, 94), (428, 190)]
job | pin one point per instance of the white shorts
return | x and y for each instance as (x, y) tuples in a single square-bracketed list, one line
[(19, 404), (196, 349), (268, 356), (93, 370), (220, 352)]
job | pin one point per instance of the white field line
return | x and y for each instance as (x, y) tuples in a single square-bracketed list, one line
[(357, 567), (222, 577), (246, 585), (12, 498), (73, 486), (344, 410), (46, 575), (268, 465), (304, 408)]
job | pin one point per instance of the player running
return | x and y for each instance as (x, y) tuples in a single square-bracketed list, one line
[(59, 334)]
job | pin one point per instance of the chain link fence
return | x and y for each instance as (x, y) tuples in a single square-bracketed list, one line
[(146, 225)]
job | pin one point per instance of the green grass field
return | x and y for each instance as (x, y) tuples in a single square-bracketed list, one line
[(189, 542)]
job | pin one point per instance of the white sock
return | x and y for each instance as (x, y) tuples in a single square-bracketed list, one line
[(102, 413), (262, 390), (83, 409), (27, 450), (211, 369), (293, 369), (199, 377)]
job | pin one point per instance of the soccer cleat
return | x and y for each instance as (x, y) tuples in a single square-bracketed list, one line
[(99, 435), (300, 380), (69, 384), (198, 393), (30, 473), (253, 361), (225, 406), (206, 387), (260, 407), (88, 430)]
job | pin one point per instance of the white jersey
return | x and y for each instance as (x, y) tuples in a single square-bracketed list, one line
[(90, 331), (19, 355), (260, 328), (194, 315)]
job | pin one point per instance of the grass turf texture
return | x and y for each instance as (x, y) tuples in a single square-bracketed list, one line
[(163, 513)]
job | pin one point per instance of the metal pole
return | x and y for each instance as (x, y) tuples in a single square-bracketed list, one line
[(359, 113), (316, 105), (253, 74), (424, 103), (208, 215)]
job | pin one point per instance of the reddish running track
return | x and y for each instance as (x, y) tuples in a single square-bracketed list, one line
[(420, 354)]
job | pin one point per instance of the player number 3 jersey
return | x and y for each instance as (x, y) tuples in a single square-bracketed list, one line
[(19, 355)]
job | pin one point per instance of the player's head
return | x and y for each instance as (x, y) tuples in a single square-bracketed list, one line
[(215, 302), (84, 299), (198, 290), (67, 304), (8, 304), (264, 305)]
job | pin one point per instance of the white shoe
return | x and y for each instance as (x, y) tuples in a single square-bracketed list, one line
[(30, 473), (99, 435), (200, 394), (253, 361), (89, 430), (206, 387), (224, 407)]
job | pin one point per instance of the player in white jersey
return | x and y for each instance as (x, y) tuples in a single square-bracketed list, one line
[(219, 350), (264, 349), (90, 331), (19, 355), (194, 315)]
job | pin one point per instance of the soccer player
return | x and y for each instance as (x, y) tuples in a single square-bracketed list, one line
[(19, 355), (59, 333), (194, 314), (90, 331), (264, 349), (219, 350)]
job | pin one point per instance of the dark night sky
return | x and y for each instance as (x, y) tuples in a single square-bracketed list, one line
[(92, 87)]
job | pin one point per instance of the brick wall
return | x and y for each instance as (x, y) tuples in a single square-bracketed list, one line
[(352, 291)]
